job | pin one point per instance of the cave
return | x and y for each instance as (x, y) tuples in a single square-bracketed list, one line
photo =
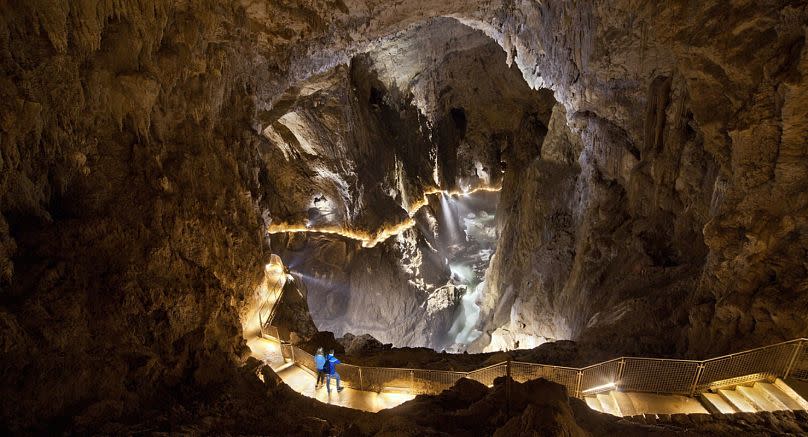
[(525, 217)]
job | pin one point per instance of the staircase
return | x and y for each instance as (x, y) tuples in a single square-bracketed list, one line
[(275, 280), (750, 398), (614, 402), (266, 314)]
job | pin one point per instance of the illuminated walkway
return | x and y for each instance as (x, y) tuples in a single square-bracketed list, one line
[(748, 391), (619, 403), (302, 381), (746, 398)]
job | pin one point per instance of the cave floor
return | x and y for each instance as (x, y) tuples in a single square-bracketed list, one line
[(302, 381)]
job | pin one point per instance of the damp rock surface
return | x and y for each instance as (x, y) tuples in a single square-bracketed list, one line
[(146, 148)]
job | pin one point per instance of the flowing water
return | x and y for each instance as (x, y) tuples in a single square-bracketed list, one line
[(469, 252)]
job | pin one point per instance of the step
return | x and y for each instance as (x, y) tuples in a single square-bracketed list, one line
[(593, 403), (715, 404), (608, 404), (785, 388), (757, 398), (789, 402), (623, 403), (774, 400), (737, 400), (654, 403)]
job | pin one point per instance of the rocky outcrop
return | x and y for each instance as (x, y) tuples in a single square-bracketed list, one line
[(362, 344)]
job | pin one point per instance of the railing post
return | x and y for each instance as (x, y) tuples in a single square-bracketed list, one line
[(696, 378), (292, 349), (360, 379), (620, 372), (508, 388), (412, 380), (578, 384), (793, 359)]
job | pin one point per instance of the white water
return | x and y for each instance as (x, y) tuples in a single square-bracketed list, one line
[(468, 261), (466, 320)]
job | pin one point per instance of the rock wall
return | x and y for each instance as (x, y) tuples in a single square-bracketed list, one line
[(136, 182), (131, 240), (669, 203)]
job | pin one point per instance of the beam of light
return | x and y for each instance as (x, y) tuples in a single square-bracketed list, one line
[(322, 282), (371, 239), (608, 386), (448, 218)]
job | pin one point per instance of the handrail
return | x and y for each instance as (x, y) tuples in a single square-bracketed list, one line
[(657, 375), (538, 364), (655, 359), (613, 360), (488, 367), (413, 369), (796, 340), (275, 300)]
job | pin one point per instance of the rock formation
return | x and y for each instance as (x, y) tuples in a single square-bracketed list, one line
[(422, 95), (654, 195)]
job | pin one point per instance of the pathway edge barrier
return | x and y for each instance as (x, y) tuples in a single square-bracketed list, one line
[(642, 374)]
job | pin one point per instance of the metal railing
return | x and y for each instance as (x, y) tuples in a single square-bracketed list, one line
[(654, 375), (658, 375), (270, 331), (799, 368), (269, 307), (268, 310), (768, 362), (487, 375), (566, 376)]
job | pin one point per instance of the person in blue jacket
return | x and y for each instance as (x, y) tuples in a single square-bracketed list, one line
[(319, 362), (331, 370)]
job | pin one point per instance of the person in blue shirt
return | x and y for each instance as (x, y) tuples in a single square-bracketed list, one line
[(331, 370), (319, 362)]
